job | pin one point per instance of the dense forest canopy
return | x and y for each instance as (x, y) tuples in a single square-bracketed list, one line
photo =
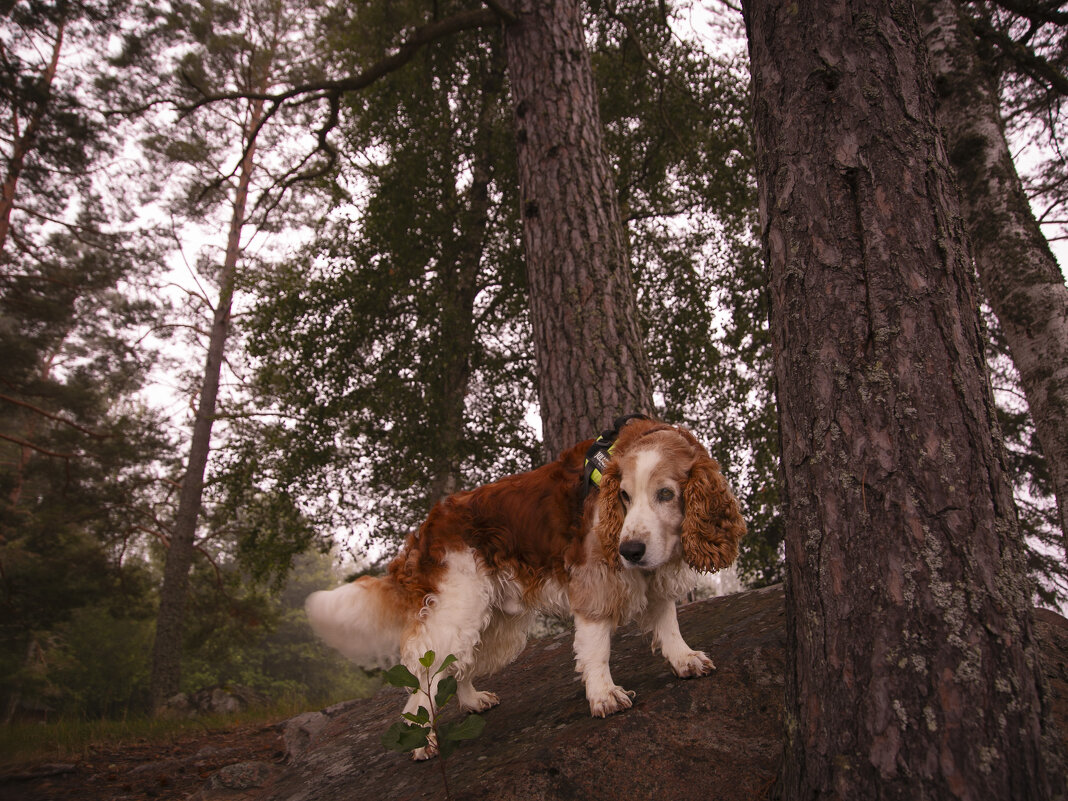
[(334, 189)]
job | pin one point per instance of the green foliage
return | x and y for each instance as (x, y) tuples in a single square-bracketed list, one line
[(81, 459), (1032, 486), (89, 655), (97, 667), (185, 53), (53, 132), (397, 351), (415, 730), (238, 634)]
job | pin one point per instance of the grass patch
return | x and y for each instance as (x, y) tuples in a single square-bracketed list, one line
[(72, 739)]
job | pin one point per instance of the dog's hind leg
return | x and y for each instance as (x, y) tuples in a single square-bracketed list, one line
[(502, 641), (451, 622)]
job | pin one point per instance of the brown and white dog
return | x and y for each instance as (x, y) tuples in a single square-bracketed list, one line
[(469, 580)]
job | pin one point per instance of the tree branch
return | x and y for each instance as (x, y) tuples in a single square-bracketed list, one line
[(506, 16), (421, 36), (1027, 60), (1036, 12), (56, 417), (332, 90), (27, 444)]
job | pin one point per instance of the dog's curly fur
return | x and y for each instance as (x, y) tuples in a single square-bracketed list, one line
[(469, 580)]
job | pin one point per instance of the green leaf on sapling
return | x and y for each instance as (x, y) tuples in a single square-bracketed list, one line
[(400, 676), (422, 717), (446, 690), (445, 663), (405, 737)]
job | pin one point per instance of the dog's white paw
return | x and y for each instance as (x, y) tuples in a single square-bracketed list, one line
[(478, 701), (692, 664), (429, 751), (615, 700)]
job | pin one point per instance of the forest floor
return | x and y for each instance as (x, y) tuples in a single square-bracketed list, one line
[(173, 769)]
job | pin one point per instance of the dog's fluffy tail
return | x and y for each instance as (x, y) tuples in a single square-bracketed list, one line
[(362, 620)]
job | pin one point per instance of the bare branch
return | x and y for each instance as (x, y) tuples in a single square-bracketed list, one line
[(331, 90), (421, 36), (506, 16), (56, 417), (1037, 13), (27, 444), (1025, 58)]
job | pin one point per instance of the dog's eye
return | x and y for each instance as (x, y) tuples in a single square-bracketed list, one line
[(623, 496), (664, 495)]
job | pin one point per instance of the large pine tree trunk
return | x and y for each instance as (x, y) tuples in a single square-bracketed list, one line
[(1020, 276), (170, 619), (912, 668), (587, 340)]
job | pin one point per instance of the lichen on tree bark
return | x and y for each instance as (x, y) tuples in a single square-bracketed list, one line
[(908, 607)]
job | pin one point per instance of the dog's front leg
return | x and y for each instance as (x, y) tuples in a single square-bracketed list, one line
[(593, 645), (662, 618)]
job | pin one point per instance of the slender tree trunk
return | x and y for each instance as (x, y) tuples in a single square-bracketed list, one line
[(1019, 273), (170, 621), (23, 139), (912, 670), (587, 340), (462, 261), (29, 432)]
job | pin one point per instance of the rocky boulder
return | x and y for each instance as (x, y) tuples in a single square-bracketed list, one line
[(217, 700), (716, 737)]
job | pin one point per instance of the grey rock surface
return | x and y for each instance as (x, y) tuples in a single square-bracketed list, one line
[(714, 737), (718, 737)]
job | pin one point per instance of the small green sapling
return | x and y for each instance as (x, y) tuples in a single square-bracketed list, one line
[(422, 728)]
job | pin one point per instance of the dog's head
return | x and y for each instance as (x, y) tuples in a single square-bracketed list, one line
[(662, 494)]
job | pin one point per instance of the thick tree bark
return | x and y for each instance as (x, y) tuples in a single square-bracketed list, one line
[(170, 619), (587, 340), (1019, 273), (912, 668)]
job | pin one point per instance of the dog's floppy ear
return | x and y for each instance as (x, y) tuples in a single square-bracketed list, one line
[(713, 525), (609, 514)]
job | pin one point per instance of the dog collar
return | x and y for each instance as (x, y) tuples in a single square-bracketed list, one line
[(599, 453)]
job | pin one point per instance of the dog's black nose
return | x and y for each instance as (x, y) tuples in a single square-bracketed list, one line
[(632, 551)]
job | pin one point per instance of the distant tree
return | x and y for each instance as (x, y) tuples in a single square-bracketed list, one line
[(912, 666), (1028, 468), (50, 130), (1022, 43), (81, 459), (167, 647), (1020, 276), (226, 162), (262, 640)]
